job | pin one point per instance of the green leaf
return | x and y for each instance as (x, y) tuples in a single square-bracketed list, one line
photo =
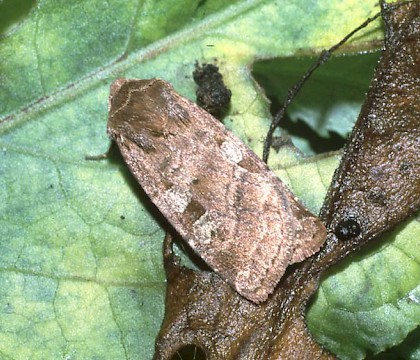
[(81, 272), (375, 294)]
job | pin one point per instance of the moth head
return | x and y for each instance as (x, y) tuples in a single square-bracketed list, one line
[(142, 110)]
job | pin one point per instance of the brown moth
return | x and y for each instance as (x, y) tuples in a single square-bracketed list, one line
[(220, 197)]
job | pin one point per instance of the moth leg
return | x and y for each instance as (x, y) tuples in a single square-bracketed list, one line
[(105, 155)]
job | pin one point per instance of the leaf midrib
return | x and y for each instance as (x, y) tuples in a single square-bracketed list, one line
[(122, 63)]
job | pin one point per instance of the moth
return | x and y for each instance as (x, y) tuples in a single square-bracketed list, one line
[(219, 196)]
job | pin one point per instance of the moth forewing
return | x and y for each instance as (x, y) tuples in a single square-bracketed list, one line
[(221, 198)]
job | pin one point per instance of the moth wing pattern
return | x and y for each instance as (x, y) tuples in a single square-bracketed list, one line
[(220, 197)]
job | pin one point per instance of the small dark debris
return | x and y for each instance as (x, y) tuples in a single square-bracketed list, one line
[(212, 94)]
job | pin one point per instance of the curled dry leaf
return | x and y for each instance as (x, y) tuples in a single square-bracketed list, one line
[(204, 310), (376, 186)]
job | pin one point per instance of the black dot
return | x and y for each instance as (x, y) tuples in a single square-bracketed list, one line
[(347, 229), (122, 217)]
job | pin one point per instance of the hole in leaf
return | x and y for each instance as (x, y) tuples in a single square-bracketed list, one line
[(12, 12), (189, 352), (320, 118)]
